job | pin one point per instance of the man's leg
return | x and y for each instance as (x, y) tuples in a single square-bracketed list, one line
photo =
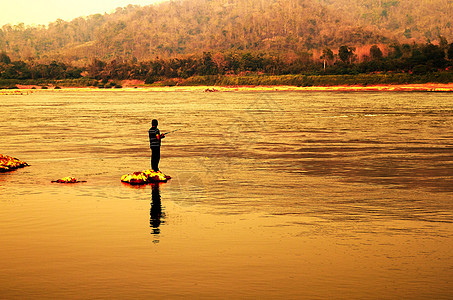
[(155, 158)]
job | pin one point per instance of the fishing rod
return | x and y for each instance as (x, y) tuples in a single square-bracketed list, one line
[(172, 131)]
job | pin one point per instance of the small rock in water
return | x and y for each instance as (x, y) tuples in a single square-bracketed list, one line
[(68, 179), (8, 163), (144, 177)]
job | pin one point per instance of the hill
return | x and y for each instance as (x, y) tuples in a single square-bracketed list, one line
[(415, 20), (180, 28), (186, 27)]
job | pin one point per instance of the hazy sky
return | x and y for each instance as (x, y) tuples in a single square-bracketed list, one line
[(46, 11)]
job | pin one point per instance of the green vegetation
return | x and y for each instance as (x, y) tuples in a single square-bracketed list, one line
[(319, 80), (173, 29), (404, 64), (43, 83)]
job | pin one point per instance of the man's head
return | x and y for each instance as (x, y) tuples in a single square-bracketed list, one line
[(154, 123)]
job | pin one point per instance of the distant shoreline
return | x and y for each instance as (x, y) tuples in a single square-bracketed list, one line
[(426, 87), (441, 82)]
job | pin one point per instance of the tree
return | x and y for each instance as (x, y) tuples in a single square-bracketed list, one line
[(375, 53), (4, 58), (397, 52), (208, 67), (251, 62), (450, 51), (443, 43), (17, 70), (220, 62), (56, 70), (346, 54), (435, 56), (327, 54), (96, 68)]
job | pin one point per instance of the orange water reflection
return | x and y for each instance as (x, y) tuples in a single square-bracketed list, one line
[(273, 196)]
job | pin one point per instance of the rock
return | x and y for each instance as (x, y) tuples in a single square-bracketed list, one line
[(144, 177), (68, 179), (8, 163)]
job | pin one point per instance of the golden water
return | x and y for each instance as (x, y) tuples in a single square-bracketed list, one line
[(276, 195)]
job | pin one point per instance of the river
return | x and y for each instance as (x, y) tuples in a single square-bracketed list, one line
[(274, 195)]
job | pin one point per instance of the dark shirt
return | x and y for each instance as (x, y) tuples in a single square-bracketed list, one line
[(154, 137)]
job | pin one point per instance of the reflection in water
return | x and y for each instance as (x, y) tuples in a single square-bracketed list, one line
[(156, 214), (304, 195)]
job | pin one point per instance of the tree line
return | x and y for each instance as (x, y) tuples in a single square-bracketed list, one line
[(25, 70), (400, 58)]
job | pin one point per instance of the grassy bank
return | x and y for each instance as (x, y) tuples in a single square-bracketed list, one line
[(42, 83), (250, 80), (320, 80)]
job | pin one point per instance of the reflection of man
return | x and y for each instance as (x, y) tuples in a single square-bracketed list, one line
[(154, 143), (156, 209)]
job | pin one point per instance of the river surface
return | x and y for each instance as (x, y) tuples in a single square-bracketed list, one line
[(274, 195)]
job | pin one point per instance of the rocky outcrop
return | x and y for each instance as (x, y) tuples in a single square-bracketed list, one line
[(8, 163)]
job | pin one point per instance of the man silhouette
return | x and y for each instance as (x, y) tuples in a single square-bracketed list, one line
[(155, 139)]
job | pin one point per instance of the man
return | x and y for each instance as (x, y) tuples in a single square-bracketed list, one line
[(154, 143)]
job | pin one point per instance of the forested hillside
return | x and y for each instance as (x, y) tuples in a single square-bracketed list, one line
[(421, 20), (185, 27)]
